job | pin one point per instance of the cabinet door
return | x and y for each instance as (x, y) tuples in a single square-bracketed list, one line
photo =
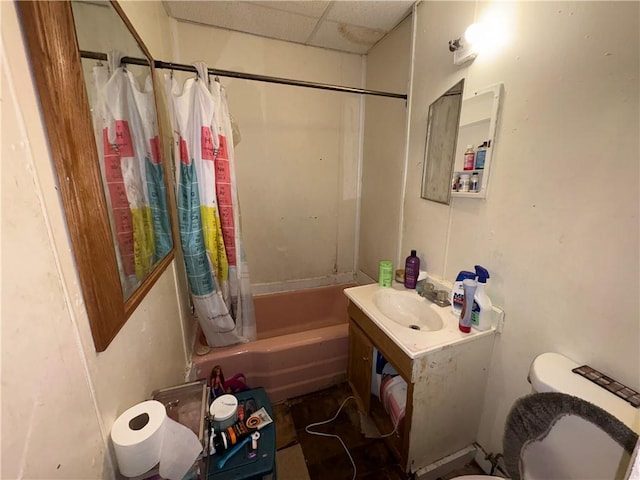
[(360, 364)]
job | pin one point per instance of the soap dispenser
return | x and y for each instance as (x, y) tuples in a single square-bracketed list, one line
[(481, 314)]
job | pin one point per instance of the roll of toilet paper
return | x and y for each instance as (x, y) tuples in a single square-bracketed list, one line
[(144, 436)]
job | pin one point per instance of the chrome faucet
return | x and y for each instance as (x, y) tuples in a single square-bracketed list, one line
[(428, 291)]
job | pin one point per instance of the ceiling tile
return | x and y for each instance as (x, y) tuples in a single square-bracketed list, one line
[(245, 17), (309, 8), (348, 38), (371, 14), (350, 26)]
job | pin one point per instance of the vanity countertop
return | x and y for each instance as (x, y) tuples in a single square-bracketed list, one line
[(414, 343)]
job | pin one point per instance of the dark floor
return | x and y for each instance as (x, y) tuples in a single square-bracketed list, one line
[(325, 457)]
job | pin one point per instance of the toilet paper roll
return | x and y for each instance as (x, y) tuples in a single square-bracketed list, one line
[(144, 436)]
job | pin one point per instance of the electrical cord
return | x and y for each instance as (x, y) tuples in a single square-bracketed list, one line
[(322, 434)]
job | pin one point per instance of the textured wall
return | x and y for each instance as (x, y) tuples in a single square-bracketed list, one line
[(559, 229), (298, 158), (388, 69)]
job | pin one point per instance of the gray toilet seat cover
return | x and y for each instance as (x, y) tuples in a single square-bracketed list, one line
[(532, 417)]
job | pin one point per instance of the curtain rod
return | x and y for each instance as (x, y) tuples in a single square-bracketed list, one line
[(244, 76)]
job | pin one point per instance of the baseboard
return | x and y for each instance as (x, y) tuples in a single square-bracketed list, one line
[(447, 464)]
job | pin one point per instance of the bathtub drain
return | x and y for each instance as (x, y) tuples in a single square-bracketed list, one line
[(414, 327)]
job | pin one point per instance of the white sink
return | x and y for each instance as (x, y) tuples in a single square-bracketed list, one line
[(415, 324), (407, 309)]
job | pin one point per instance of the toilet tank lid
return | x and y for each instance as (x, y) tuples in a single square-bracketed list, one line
[(551, 372)]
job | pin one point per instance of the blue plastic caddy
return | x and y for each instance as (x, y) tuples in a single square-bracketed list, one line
[(240, 467)]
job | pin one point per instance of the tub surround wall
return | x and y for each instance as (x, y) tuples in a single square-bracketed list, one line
[(302, 310), (558, 232), (297, 161)]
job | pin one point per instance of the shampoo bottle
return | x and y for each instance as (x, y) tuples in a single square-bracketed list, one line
[(411, 270), (481, 314), (469, 287), (456, 297)]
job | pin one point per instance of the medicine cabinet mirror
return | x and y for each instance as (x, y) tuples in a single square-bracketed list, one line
[(456, 121), (442, 131), (112, 179)]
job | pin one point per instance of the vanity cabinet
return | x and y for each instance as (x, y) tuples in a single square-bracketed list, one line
[(445, 390)]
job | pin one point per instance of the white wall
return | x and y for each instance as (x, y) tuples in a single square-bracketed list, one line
[(559, 230), (297, 161), (60, 397), (388, 69)]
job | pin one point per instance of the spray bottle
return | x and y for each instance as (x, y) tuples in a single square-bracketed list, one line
[(481, 314)]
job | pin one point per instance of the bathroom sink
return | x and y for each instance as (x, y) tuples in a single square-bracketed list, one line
[(413, 323), (408, 310)]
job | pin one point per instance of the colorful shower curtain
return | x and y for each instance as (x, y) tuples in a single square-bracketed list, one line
[(127, 136), (208, 212)]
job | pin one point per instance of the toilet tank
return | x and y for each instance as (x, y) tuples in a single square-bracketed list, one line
[(551, 372), (575, 448)]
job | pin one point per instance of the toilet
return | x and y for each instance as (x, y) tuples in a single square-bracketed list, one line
[(569, 428)]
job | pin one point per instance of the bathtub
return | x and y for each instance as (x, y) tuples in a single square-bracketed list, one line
[(301, 348)]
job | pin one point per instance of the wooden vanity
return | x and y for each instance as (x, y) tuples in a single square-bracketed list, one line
[(445, 388)]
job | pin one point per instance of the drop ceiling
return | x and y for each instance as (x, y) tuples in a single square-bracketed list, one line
[(348, 26)]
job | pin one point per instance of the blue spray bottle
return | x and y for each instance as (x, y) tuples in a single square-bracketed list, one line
[(482, 306)]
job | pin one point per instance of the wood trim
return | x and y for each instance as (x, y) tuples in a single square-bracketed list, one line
[(394, 354), (403, 364), (56, 66)]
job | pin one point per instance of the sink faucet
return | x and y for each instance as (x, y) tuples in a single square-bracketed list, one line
[(428, 291)]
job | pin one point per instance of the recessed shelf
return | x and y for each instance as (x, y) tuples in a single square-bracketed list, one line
[(478, 122)]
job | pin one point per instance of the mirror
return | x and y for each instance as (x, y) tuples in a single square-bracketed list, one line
[(119, 228), (126, 130), (440, 147)]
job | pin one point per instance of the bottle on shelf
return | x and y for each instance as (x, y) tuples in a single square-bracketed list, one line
[(463, 184), (474, 183), (481, 155), (469, 158)]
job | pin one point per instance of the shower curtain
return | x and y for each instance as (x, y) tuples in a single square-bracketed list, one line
[(208, 212), (126, 131)]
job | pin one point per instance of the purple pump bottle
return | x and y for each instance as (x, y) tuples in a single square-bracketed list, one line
[(411, 270)]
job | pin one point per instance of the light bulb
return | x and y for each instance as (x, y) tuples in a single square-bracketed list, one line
[(473, 33)]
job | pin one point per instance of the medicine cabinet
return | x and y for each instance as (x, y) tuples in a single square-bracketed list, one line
[(478, 124)]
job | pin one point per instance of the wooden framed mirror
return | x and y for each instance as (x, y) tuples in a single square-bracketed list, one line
[(110, 296)]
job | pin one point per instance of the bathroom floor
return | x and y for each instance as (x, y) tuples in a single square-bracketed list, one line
[(324, 457)]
